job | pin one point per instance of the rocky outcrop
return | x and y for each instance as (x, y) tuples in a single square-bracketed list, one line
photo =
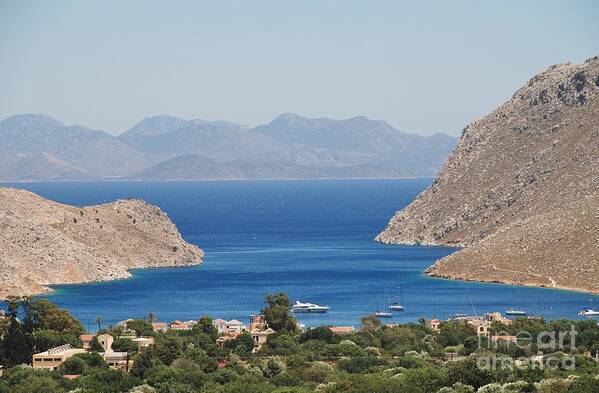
[(44, 243), (520, 192)]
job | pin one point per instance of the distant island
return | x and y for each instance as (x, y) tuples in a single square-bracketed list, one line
[(520, 192), (45, 243), (37, 147)]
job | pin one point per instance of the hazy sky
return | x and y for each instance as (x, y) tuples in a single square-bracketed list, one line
[(424, 67)]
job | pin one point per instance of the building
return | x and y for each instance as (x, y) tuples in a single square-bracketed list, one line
[(179, 326), (112, 358), (220, 325), (54, 357), (259, 331), (257, 322), (232, 326), (260, 337), (117, 359), (482, 325), (160, 326), (341, 330), (106, 341), (123, 324), (86, 339), (497, 338), (227, 337), (434, 324), (143, 342)]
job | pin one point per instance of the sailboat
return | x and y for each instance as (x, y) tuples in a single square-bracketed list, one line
[(382, 314), (396, 305)]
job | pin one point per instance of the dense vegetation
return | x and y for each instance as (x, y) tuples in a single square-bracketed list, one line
[(409, 358)]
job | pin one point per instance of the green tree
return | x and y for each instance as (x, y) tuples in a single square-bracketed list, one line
[(73, 366), (93, 360), (205, 326), (141, 327), (321, 334), (17, 344), (46, 339), (371, 323), (145, 362), (43, 314), (124, 345), (278, 312), (243, 344), (95, 345), (38, 384), (168, 348)]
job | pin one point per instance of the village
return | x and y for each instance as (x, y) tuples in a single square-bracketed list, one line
[(257, 328)]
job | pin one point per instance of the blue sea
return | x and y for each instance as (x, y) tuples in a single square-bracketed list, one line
[(310, 239)]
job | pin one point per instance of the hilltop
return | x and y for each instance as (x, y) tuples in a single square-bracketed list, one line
[(520, 192), (44, 243)]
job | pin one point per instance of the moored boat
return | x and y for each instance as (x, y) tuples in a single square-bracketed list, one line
[(515, 312), (588, 312), (300, 307)]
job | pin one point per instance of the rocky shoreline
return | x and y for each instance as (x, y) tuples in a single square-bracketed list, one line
[(45, 243), (520, 192)]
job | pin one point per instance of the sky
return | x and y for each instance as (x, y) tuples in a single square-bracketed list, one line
[(424, 67)]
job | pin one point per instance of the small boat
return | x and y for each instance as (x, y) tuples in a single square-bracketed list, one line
[(396, 305), (382, 314), (587, 312), (300, 307), (516, 312)]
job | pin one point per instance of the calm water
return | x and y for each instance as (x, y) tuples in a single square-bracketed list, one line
[(311, 239)]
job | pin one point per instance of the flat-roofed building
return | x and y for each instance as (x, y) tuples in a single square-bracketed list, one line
[(341, 330), (160, 326), (178, 325), (143, 342), (54, 357), (234, 326), (220, 325)]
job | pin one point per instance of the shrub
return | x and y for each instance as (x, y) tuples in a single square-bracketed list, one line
[(360, 364)]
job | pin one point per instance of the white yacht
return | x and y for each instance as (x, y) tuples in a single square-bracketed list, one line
[(587, 312), (299, 307), (515, 312), (383, 314)]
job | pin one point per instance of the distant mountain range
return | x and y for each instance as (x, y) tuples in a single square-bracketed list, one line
[(37, 147)]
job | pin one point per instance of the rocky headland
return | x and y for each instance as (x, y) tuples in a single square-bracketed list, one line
[(44, 243), (520, 192)]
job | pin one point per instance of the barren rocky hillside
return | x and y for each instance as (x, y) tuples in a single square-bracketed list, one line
[(44, 243), (521, 189)]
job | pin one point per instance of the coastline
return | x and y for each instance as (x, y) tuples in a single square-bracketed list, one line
[(49, 289), (507, 282)]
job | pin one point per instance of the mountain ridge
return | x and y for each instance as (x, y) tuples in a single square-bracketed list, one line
[(37, 147), (520, 192)]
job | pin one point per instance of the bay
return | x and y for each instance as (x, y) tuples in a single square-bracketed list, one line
[(311, 239)]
